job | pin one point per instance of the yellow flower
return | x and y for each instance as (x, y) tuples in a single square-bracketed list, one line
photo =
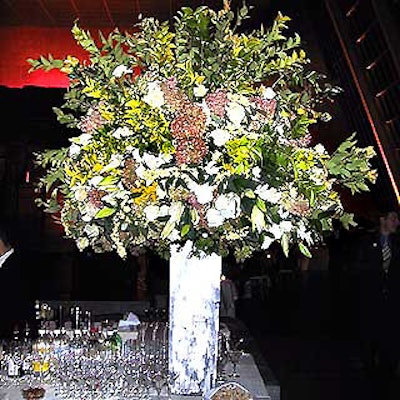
[(72, 60), (106, 113), (69, 63), (372, 175), (74, 174), (301, 111), (229, 167), (147, 194), (333, 195), (92, 89), (370, 151)]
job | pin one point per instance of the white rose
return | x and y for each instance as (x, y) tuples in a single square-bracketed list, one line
[(256, 171), (151, 161), (236, 113), (228, 205), (267, 242), (154, 96), (74, 150), (122, 132), (92, 231), (260, 191), (203, 193), (200, 91), (82, 243), (268, 194), (121, 70), (267, 93), (136, 155), (320, 149), (283, 213), (303, 234), (214, 218), (276, 230), (286, 226), (164, 211), (174, 235), (161, 194), (90, 211), (152, 212), (83, 139), (216, 155), (280, 129), (121, 251), (140, 171), (80, 194), (220, 136)]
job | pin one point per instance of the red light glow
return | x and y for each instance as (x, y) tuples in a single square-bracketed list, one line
[(22, 42)]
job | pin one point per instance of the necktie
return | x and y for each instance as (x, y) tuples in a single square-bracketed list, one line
[(386, 255)]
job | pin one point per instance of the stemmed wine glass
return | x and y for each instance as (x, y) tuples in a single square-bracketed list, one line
[(223, 358), (234, 356), (160, 379)]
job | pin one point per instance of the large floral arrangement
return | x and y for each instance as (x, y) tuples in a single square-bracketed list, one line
[(195, 131)]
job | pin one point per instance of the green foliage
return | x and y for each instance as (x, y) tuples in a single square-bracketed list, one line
[(352, 165), (240, 104)]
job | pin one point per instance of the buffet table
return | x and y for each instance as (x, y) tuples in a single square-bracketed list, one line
[(249, 378)]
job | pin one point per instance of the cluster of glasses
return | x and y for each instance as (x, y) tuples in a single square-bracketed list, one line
[(155, 314), (230, 350), (91, 365)]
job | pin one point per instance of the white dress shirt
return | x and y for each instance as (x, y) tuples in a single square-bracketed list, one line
[(5, 255)]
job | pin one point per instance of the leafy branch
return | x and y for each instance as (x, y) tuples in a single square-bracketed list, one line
[(351, 165)]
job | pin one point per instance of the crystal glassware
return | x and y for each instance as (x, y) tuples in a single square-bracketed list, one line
[(234, 357)]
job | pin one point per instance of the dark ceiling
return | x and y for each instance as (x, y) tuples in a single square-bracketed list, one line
[(100, 13)]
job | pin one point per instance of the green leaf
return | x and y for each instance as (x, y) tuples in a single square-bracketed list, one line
[(105, 212), (108, 180), (347, 143), (347, 220), (261, 205), (250, 194), (312, 198), (285, 243), (185, 230), (304, 250), (257, 219)]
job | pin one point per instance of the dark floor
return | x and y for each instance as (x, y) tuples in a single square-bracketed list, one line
[(308, 346)]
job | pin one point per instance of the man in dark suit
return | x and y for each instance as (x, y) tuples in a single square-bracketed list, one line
[(379, 284), (15, 305)]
